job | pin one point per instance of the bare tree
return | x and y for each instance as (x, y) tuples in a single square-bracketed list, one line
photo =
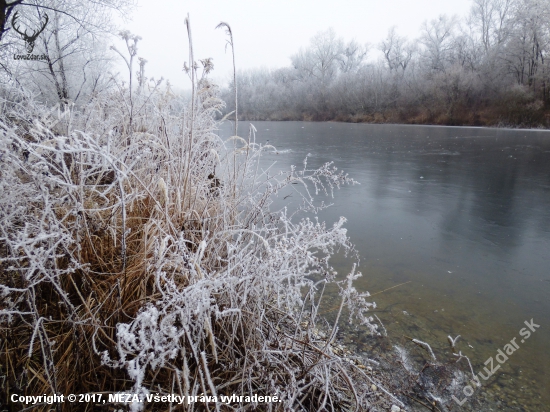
[(75, 43), (437, 38), (320, 59), (352, 56), (62, 6), (491, 18), (528, 44), (6, 9), (397, 51)]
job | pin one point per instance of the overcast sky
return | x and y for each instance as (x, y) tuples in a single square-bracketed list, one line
[(267, 32)]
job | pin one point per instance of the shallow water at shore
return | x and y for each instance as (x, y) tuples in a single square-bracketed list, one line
[(463, 216)]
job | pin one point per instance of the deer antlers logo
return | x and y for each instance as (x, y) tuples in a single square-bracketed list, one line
[(29, 39)]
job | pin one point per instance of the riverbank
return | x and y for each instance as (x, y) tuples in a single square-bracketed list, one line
[(528, 119)]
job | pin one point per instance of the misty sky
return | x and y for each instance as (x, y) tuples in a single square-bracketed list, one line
[(267, 32)]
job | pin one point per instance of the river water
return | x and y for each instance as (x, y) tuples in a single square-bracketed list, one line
[(459, 218)]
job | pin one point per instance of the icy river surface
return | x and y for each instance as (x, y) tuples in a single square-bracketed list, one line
[(459, 218)]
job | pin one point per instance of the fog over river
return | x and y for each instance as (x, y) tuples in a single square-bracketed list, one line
[(462, 215)]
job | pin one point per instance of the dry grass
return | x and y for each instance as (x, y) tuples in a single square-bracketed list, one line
[(139, 254)]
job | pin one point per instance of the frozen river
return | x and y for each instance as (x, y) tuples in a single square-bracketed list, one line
[(463, 216)]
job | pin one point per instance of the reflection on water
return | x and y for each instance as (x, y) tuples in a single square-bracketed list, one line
[(461, 213)]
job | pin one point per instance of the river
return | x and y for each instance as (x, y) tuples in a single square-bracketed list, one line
[(459, 218)]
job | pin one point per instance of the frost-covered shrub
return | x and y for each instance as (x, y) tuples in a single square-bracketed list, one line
[(139, 254)]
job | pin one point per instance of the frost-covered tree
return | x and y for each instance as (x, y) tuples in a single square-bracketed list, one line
[(437, 39), (352, 57), (320, 59), (456, 70), (529, 43), (397, 51), (492, 19), (75, 41)]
